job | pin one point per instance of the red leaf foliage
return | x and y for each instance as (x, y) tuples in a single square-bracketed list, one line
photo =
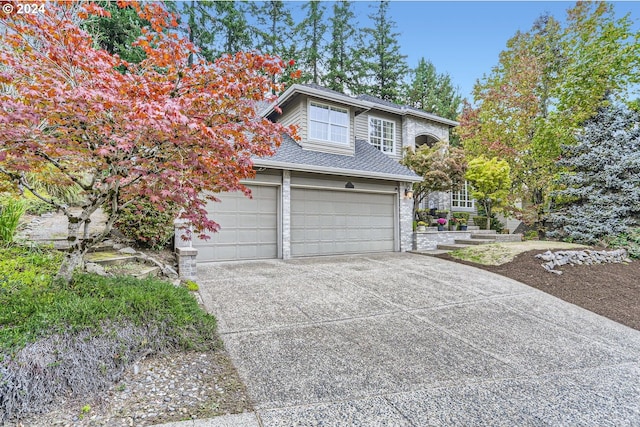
[(164, 128)]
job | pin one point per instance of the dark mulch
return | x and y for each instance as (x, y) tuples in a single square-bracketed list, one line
[(611, 290)]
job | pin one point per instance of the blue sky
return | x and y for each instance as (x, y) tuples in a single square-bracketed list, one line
[(464, 38)]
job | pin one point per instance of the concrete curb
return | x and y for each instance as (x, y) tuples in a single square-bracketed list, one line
[(246, 419)]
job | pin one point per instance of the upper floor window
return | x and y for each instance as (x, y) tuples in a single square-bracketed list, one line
[(327, 123), (382, 134), (462, 199)]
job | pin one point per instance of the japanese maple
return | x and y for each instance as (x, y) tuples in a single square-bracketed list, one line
[(160, 128)]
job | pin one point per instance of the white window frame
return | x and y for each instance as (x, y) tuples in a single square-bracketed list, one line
[(461, 200), (382, 139), (329, 123)]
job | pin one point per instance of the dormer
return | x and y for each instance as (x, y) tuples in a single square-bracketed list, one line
[(325, 118), (331, 122)]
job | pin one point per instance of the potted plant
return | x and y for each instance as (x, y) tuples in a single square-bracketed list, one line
[(441, 223), (422, 226), (461, 219)]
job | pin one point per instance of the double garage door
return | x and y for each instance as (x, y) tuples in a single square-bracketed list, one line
[(323, 222)]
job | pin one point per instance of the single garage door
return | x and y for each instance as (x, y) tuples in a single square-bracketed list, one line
[(325, 222), (248, 227)]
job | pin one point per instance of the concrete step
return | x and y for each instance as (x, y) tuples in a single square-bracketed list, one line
[(109, 258), (452, 247), (147, 272), (431, 252), (472, 228), (476, 241), (478, 231), (499, 237)]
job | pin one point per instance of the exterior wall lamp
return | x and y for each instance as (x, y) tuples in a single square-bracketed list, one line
[(408, 193)]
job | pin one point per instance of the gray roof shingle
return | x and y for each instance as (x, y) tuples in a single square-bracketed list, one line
[(366, 161)]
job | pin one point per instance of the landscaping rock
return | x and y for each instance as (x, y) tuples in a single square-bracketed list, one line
[(128, 251), (92, 267), (583, 257)]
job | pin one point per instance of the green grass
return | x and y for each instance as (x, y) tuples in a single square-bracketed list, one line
[(34, 305)]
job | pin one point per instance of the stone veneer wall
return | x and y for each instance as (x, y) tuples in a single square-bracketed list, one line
[(429, 240), (406, 221)]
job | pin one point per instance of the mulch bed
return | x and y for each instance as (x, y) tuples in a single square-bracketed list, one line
[(611, 290)]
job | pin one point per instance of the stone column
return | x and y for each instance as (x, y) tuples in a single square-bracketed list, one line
[(286, 214), (187, 265), (406, 218)]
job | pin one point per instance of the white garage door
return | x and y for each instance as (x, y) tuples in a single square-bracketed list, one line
[(325, 222), (248, 227)]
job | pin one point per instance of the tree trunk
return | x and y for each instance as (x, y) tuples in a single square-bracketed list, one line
[(72, 260), (77, 249)]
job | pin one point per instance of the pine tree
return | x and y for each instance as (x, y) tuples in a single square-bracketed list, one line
[(432, 92), (341, 68), (273, 32), (380, 58), (216, 27), (235, 36), (312, 30), (601, 195)]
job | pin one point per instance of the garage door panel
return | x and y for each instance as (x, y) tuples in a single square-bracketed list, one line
[(336, 222), (248, 227)]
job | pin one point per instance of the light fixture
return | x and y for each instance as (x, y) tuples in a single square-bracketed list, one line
[(349, 185), (408, 194)]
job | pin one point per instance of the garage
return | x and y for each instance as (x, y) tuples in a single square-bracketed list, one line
[(248, 227), (327, 222)]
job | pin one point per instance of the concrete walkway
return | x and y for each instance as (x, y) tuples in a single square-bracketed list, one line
[(407, 340)]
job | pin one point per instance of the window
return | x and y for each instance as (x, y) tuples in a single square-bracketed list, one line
[(382, 134), (462, 199), (328, 123)]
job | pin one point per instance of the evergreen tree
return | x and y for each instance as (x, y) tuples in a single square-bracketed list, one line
[(341, 67), (383, 65), (312, 30), (274, 30), (235, 35), (216, 27), (433, 92), (275, 34), (202, 26), (601, 195), (116, 33)]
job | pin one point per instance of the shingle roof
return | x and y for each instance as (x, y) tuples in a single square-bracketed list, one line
[(367, 161)]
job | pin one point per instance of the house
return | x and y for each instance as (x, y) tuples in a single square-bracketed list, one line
[(339, 190)]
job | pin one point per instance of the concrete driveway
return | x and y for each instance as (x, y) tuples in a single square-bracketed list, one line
[(406, 340)]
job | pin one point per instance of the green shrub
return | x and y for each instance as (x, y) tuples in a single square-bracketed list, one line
[(36, 206), (480, 221), (11, 210), (144, 223), (423, 215), (531, 235), (629, 241), (33, 305)]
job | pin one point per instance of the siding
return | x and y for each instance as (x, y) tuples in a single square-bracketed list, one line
[(292, 115)]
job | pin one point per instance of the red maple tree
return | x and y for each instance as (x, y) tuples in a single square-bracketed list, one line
[(162, 128)]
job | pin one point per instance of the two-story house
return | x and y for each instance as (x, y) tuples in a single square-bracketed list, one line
[(339, 190)]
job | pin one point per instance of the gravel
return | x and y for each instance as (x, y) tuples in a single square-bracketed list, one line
[(161, 389)]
